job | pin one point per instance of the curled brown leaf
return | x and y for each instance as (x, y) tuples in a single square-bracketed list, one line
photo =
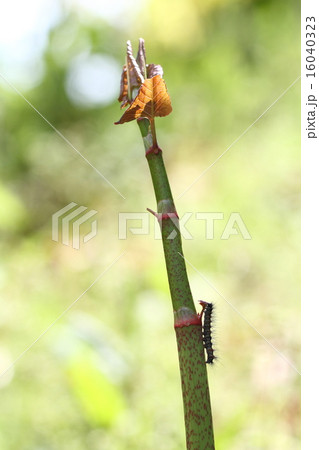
[(152, 101)]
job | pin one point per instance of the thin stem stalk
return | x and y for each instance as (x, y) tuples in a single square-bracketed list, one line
[(187, 324)]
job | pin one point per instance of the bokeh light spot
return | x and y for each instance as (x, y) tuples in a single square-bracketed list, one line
[(93, 80)]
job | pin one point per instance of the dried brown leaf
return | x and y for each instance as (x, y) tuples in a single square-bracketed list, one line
[(152, 101), (123, 97), (154, 69), (135, 77), (141, 58)]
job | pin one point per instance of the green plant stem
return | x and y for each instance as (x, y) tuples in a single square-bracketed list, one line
[(188, 328)]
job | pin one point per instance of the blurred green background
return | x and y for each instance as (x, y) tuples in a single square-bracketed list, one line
[(105, 376)]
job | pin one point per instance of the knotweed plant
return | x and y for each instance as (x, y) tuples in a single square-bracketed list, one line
[(144, 92)]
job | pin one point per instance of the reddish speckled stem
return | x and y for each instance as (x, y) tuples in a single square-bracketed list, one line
[(187, 323)]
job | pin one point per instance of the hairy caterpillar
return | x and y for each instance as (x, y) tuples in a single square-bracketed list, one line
[(207, 311)]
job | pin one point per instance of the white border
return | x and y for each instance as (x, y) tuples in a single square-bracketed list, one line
[(310, 244)]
